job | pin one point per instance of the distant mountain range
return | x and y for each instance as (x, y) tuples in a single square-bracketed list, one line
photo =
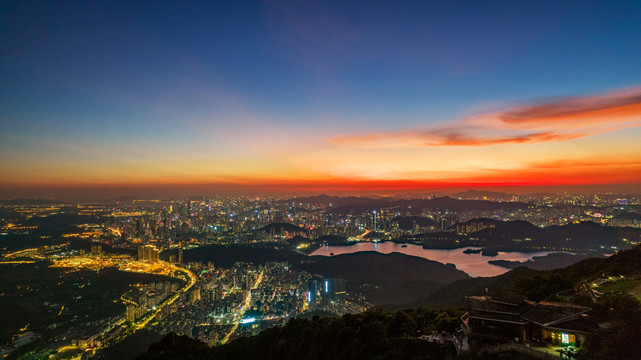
[(478, 194), (416, 206), (584, 235), (32, 202), (352, 204), (333, 201)]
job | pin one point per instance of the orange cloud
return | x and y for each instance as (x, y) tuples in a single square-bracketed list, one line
[(568, 172), (551, 121)]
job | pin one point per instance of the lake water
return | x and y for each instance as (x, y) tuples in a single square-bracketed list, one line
[(473, 264)]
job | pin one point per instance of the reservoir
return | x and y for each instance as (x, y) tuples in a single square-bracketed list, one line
[(474, 265)]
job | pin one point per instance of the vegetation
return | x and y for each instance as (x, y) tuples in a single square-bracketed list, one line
[(623, 284), (618, 339), (536, 285), (370, 335)]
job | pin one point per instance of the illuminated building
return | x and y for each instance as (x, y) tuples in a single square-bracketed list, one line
[(148, 253), (374, 215), (473, 226), (511, 316), (195, 294), (96, 250), (131, 313)]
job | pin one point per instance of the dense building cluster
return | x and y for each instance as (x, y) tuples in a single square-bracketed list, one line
[(142, 299), (244, 299)]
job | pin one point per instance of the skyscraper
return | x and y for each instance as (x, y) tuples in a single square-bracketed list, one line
[(148, 253), (374, 215)]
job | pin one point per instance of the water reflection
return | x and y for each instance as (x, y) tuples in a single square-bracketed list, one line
[(473, 264)]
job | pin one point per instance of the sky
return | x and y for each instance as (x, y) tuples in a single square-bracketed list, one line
[(318, 96)]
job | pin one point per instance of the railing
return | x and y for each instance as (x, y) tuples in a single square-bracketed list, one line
[(533, 352)]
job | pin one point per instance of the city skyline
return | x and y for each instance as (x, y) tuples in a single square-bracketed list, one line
[(288, 97)]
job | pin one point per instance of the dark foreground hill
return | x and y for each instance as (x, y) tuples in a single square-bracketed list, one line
[(370, 335)]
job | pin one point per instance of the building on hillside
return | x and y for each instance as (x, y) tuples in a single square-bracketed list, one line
[(510, 316)]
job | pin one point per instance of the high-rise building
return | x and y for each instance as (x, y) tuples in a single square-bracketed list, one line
[(195, 294), (148, 253), (374, 215), (96, 250), (154, 254), (131, 313), (249, 281)]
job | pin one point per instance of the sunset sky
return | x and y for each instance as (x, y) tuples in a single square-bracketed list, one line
[(318, 96)]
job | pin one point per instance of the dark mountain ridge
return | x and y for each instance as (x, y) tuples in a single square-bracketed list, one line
[(282, 227), (382, 269), (416, 206), (585, 235), (334, 201), (476, 194)]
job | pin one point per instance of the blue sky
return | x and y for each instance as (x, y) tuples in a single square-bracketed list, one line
[(104, 75)]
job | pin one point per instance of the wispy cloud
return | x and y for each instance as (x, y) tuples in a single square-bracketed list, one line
[(550, 121)]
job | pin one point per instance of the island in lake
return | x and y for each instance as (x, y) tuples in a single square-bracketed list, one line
[(550, 261)]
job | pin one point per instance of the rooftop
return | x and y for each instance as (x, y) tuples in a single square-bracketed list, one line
[(507, 318), (581, 325), (486, 304), (551, 313)]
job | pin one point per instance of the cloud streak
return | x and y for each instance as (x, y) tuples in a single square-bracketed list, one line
[(550, 121)]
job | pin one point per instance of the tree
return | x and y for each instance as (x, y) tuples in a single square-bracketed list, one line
[(620, 316)]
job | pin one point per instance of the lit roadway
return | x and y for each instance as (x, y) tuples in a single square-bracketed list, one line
[(126, 264), (362, 236), (21, 252), (243, 308), (139, 324)]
